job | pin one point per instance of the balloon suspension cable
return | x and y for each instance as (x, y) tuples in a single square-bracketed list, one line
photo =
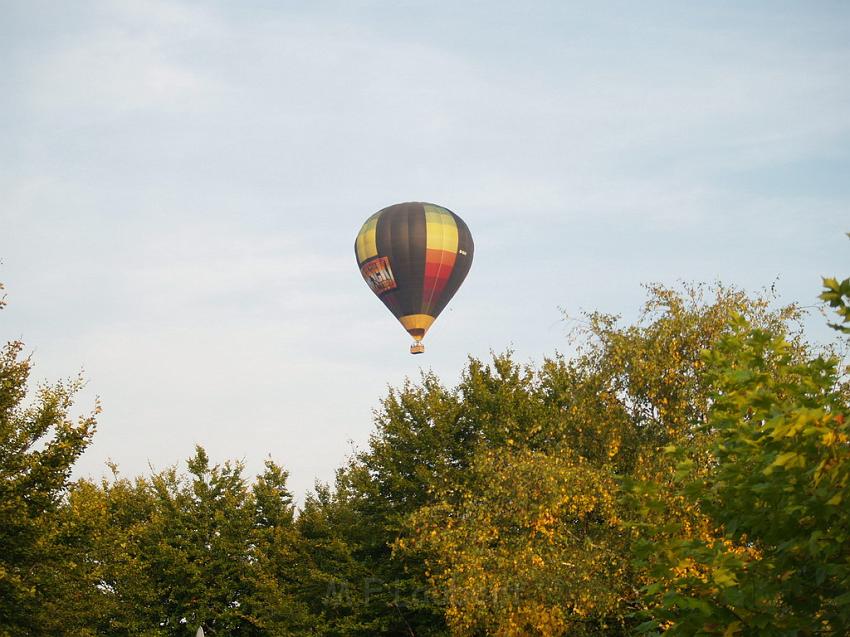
[(418, 347)]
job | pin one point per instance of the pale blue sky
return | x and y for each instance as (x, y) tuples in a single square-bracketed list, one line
[(182, 182)]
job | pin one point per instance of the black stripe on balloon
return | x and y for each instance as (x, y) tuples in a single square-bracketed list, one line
[(383, 241), (417, 244), (399, 235)]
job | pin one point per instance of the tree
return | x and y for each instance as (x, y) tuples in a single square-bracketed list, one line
[(278, 554), (39, 443), (504, 489), (533, 548), (107, 589), (160, 556), (776, 493)]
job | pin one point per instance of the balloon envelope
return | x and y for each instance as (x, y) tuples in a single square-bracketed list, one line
[(414, 257)]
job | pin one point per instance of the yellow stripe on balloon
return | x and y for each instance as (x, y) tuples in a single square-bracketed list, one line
[(440, 229), (366, 243), (418, 323)]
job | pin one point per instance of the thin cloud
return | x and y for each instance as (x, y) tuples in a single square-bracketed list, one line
[(185, 181)]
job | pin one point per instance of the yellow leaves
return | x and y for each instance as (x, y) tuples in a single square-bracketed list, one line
[(687, 567), (544, 524), (723, 577), (831, 438), (786, 459), (530, 527), (533, 618)]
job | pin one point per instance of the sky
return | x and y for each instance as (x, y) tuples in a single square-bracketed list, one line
[(181, 184)]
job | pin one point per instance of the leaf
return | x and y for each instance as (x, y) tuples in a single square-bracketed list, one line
[(646, 627), (784, 458), (724, 577), (653, 588), (831, 283), (841, 600), (732, 629)]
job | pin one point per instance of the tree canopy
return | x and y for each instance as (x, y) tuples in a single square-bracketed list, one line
[(686, 474), (39, 443)]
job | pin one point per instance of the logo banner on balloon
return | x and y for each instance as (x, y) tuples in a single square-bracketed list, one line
[(379, 275)]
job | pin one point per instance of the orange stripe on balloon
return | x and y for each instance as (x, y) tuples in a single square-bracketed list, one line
[(438, 268)]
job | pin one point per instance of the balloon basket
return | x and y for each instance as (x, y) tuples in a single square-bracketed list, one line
[(417, 348)]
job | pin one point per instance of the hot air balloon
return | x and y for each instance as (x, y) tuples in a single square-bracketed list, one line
[(414, 256)]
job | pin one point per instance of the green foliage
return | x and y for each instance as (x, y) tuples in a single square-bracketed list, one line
[(350, 531), (515, 471), (838, 296), (687, 473), (170, 553), (39, 443), (108, 590), (774, 495)]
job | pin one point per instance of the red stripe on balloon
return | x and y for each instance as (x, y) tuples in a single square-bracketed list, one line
[(438, 268)]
